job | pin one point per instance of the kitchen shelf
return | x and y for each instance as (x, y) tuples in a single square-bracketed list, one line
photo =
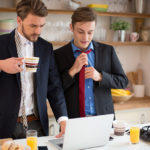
[(131, 104), (128, 43), (132, 15), (110, 43), (113, 14), (7, 10)]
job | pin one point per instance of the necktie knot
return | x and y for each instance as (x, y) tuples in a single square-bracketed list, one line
[(87, 52)]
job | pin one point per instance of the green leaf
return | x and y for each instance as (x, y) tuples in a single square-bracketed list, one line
[(120, 25)]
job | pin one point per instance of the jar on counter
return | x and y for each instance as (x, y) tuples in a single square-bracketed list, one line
[(139, 23), (145, 34)]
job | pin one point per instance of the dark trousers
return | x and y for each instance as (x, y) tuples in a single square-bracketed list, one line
[(20, 132)]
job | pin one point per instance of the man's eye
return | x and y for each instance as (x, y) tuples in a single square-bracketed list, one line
[(33, 26), (90, 33), (80, 32)]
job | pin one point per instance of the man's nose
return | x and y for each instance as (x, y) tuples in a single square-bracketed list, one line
[(85, 36), (38, 30)]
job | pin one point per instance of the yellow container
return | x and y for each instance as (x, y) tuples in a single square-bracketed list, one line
[(32, 142), (98, 6), (134, 134)]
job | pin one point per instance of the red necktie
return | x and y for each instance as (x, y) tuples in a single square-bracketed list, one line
[(82, 87)]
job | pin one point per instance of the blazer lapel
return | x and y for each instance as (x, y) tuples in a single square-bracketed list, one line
[(13, 52), (37, 54), (69, 55), (98, 56)]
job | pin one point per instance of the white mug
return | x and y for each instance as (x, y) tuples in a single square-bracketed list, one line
[(134, 36), (31, 64)]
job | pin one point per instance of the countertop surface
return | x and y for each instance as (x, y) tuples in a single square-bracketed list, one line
[(131, 104), (118, 143)]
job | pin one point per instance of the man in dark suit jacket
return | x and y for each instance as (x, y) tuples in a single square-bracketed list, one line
[(47, 84), (103, 70)]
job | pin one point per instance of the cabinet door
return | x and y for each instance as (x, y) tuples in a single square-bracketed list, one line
[(134, 116)]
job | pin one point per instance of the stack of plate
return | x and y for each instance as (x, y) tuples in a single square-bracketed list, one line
[(99, 7), (6, 26)]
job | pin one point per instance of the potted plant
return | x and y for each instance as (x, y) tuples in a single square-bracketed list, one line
[(120, 26)]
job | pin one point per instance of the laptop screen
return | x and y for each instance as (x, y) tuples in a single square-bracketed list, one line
[(87, 132)]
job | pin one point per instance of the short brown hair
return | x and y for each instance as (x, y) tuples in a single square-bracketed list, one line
[(83, 14), (35, 7)]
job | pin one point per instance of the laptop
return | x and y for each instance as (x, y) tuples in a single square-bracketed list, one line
[(87, 132)]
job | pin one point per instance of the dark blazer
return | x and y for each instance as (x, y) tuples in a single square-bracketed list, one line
[(106, 62), (47, 85)]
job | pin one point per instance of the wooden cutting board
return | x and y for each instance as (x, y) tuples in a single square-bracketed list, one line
[(4, 140)]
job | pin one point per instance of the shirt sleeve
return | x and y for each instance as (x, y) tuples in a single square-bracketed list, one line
[(63, 118)]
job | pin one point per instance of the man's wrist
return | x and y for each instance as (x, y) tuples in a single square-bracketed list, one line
[(72, 72), (100, 77)]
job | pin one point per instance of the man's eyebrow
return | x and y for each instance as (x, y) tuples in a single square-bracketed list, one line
[(37, 25)]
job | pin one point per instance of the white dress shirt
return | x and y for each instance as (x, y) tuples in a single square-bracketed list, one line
[(25, 49)]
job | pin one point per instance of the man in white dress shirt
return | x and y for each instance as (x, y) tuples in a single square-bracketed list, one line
[(24, 93)]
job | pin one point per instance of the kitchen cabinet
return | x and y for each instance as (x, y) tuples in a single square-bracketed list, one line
[(107, 14), (134, 116), (134, 111)]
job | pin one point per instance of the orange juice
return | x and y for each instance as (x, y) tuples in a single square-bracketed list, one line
[(32, 142), (134, 134)]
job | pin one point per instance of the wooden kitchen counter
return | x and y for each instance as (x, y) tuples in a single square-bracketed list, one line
[(133, 104)]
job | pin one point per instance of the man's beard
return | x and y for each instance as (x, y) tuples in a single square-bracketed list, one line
[(29, 37)]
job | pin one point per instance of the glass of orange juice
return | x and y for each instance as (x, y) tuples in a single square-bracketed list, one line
[(31, 136), (134, 134)]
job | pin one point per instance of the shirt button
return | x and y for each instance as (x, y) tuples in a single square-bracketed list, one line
[(88, 87), (89, 97)]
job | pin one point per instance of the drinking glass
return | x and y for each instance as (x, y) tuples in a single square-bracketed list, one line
[(31, 136), (134, 134)]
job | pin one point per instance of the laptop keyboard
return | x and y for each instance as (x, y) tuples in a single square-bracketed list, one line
[(58, 142), (60, 145)]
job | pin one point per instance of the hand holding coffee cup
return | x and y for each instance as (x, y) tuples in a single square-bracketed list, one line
[(134, 36), (31, 64)]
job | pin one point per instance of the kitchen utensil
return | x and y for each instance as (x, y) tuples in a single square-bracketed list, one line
[(73, 4), (138, 90), (139, 5)]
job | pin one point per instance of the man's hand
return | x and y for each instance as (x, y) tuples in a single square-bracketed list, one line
[(11, 65), (62, 127), (92, 73), (81, 60)]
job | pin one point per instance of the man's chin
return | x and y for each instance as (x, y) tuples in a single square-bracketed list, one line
[(84, 46), (33, 39)]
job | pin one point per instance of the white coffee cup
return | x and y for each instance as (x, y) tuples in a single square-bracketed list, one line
[(138, 90), (31, 64), (134, 36)]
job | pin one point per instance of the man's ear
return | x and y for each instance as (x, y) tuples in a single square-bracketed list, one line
[(71, 28), (19, 20)]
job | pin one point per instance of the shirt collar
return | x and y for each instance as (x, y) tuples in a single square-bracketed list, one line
[(74, 48), (21, 39)]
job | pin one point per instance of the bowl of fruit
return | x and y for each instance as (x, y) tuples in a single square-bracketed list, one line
[(121, 95)]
